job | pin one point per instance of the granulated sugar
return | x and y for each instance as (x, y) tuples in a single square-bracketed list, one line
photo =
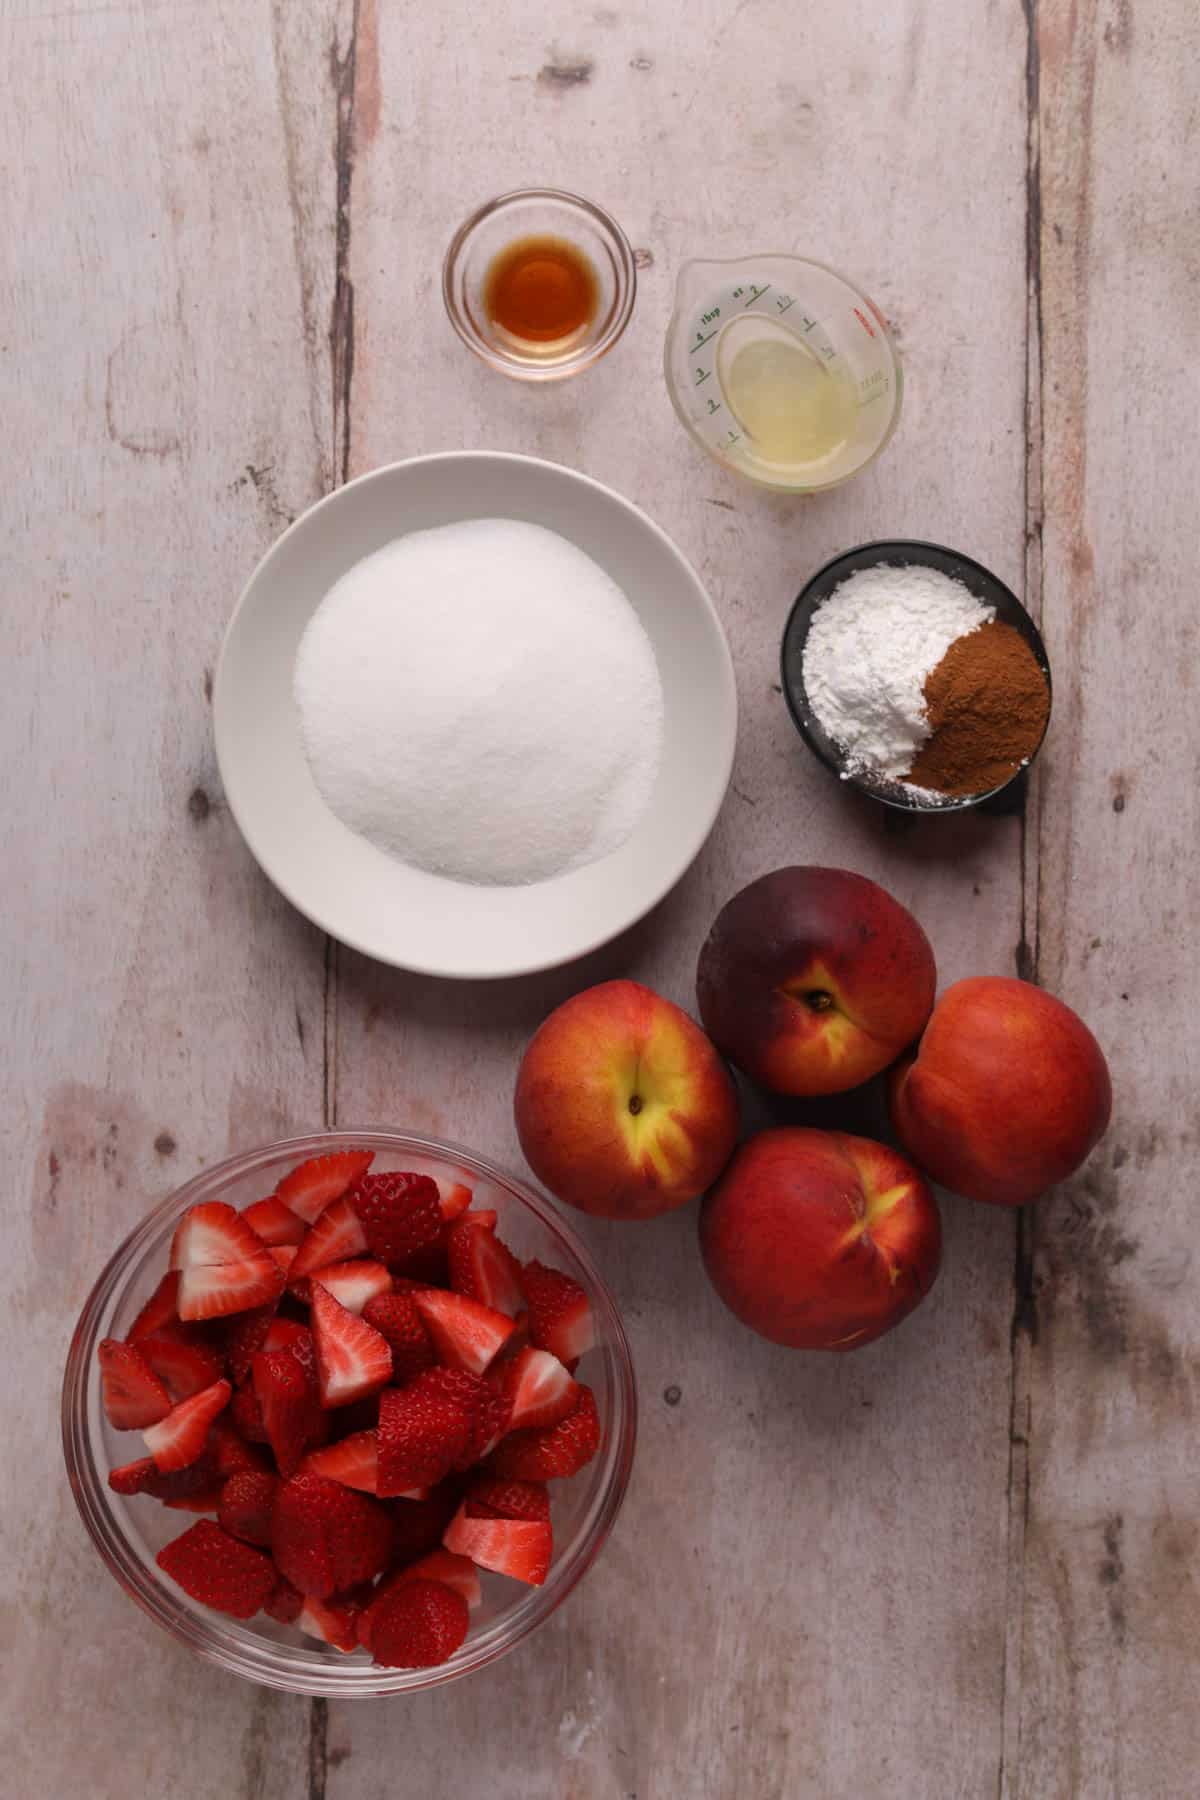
[(481, 700), (869, 649)]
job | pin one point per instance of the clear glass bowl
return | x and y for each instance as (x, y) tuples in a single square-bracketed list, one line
[(128, 1532), (538, 212)]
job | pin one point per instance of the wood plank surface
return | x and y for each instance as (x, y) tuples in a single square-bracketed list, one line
[(961, 1561), (1111, 1615), (167, 278), (805, 1593)]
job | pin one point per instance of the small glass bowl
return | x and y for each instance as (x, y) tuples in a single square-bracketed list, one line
[(128, 1532), (903, 553), (538, 212)]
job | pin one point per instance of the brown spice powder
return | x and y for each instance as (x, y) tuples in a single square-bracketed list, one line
[(987, 703)]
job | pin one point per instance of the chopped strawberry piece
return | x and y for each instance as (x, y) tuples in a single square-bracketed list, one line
[(218, 1570), (551, 1450), (354, 1283), (289, 1334), (285, 1387), (560, 1319), (132, 1393), (465, 1334), (455, 1198), (493, 1499), (326, 1537), (144, 1477), (274, 1222), (131, 1478), (205, 1499), (335, 1237), (518, 1547), (310, 1188), (423, 1431), (483, 1268), (420, 1523), (160, 1308), (210, 1234), (352, 1358), (400, 1214), (246, 1505), (457, 1572), (246, 1416), (334, 1622), (245, 1336), (419, 1625), (284, 1602), (210, 1290), (230, 1451), (354, 1461), (539, 1390), (395, 1317), (182, 1358), (283, 1256), (182, 1436)]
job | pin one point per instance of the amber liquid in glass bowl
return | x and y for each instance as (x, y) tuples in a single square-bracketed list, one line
[(540, 290)]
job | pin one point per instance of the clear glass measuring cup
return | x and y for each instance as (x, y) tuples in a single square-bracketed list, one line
[(781, 369)]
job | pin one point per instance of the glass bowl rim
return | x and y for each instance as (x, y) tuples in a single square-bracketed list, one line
[(209, 1635)]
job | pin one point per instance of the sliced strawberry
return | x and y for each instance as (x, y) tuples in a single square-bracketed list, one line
[(325, 1537), (284, 1602), (400, 1214), (493, 1499), (560, 1319), (131, 1478), (212, 1233), (518, 1547), (465, 1334), (539, 1390), (396, 1318), (290, 1405), (354, 1462), (352, 1358), (334, 1622), (182, 1357), (336, 1236), (422, 1433), (419, 1625), (310, 1188), (181, 1437), (289, 1334), (488, 1408), (144, 1477), (483, 1268), (231, 1453), (274, 1222), (246, 1416), (160, 1308), (218, 1570), (283, 1256), (355, 1283), (246, 1505), (457, 1572), (245, 1336), (210, 1290), (455, 1197), (132, 1394), (552, 1450), (206, 1499), (420, 1523)]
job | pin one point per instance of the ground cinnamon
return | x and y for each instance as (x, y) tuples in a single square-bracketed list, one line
[(987, 702)]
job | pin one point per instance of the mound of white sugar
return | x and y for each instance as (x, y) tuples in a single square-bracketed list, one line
[(869, 648), (481, 700)]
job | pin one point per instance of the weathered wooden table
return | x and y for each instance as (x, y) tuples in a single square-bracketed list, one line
[(964, 1561)]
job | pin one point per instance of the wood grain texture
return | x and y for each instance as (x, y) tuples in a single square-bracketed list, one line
[(805, 1594), (1111, 1615), (167, 404)]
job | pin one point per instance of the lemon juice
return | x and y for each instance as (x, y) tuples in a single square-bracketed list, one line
[(798, 411)]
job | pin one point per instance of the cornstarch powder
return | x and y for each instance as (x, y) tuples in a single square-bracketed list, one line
[(481, 700), (869, 649)]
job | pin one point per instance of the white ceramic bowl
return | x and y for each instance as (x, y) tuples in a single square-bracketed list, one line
[(407, 916)]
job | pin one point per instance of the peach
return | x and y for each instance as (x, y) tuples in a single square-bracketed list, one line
[(623, 1107), (820, 1240), (1007, 1093), (813, 980)]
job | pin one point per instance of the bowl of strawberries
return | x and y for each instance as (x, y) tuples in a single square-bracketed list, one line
[(350, 1415)]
